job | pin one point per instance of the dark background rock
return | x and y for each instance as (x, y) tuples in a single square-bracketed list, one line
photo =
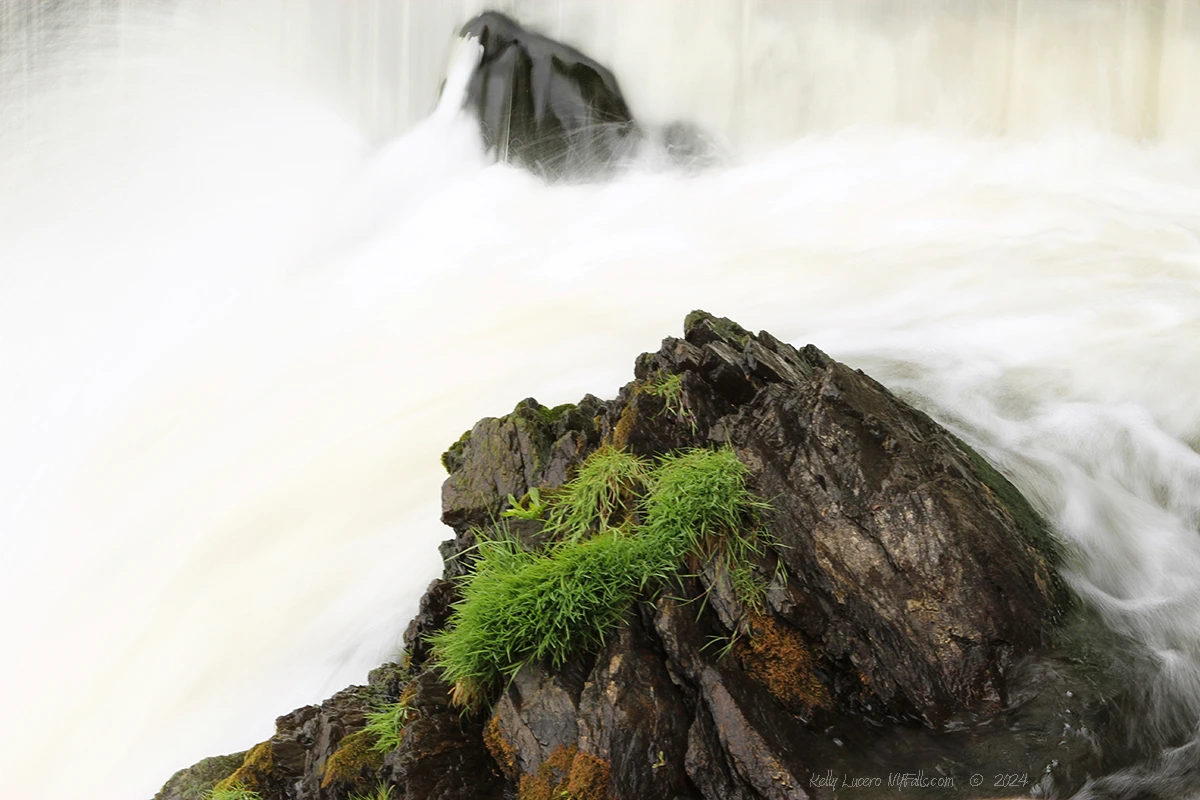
[(544, 105)]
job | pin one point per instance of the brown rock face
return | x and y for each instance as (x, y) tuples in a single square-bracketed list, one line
[(909, 590), (912, 570), (906, 568), (908, 577)]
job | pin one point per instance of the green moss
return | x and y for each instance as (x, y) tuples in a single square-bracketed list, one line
[(723, 326), (621, 526), (1037, 531), (530, 419), (553, 415), (355, 760), (452, 458), (197, 781), (252, 775)]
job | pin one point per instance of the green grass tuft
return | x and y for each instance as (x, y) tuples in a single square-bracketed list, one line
[(602, 494), (237, 791), (696, 495), (622, 525), (669, 389), (383, 792), (387, 724)]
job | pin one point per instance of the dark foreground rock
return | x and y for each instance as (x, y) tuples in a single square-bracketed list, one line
[(909, 637)]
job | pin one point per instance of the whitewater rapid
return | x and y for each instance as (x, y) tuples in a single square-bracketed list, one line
[(242, 315)]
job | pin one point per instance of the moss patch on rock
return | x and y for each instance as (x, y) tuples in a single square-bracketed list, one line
[(721, 327), (197, 781), (452, 458), (254, 772), (504, 753), (1036, 529), (355, 762)]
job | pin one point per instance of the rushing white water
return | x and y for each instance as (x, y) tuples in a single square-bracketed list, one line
[(243, 313)]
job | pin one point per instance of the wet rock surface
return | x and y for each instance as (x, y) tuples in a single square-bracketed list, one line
[(543, 104), (911, 625)]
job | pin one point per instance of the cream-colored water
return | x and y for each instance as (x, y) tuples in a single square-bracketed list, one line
[(248, 297)]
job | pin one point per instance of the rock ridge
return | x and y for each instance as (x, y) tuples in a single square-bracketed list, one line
[(909, 618)]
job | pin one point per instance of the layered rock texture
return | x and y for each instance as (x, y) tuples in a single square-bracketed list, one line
[(908, 625)]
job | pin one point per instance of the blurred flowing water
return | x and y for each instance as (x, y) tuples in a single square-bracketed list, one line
[(252, 289)]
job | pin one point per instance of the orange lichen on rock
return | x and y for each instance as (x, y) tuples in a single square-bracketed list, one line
[(253, 772), (504, 753), (588, 778), (777, 656), (567, 774)]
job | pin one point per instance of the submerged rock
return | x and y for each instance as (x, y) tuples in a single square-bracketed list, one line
[(906, 618)]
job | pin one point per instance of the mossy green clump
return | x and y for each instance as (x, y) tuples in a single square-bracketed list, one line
[(452, 458), (553, 415), (197, 781), (520, 606), (251, 776), (620, 525), (234, 791), (354, 761), (699, 498)]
